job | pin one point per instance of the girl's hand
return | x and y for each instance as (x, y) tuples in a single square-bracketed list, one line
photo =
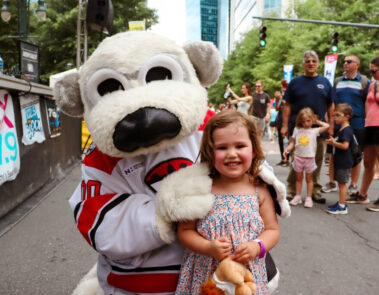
[(246, 252), (286, 152), (220, 248)]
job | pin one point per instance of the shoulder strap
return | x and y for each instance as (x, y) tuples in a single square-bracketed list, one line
[(336, 80), (364, 83)]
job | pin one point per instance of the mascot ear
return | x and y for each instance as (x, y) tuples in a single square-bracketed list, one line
[(206, 60), (67, 95)]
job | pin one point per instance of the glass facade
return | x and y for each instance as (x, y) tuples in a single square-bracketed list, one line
[(272, 6), (208, 20)]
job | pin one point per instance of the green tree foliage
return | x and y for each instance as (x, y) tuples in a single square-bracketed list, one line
[(57, 36), (287, 41)]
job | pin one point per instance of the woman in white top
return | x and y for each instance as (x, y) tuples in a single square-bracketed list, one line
[(243, 103)]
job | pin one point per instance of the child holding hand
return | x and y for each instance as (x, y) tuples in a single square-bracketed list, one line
[(242, 223), (304, 141)]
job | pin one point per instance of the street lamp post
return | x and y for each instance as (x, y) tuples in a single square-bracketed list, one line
[(23, 11)]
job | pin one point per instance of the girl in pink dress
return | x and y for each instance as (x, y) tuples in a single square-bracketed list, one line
[(242, 223)]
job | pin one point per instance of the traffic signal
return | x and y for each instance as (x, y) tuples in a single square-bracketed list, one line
[(262, 37), (99, 15), (335, 42)]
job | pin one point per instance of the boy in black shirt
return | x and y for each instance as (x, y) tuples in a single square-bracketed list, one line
[(342, 154)]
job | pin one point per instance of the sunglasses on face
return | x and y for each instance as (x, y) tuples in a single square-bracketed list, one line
[(373, 72), (348, 61), (338, 115), (311, 61)]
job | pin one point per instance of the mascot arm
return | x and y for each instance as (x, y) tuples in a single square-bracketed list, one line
[(183, 195), (118, 225)]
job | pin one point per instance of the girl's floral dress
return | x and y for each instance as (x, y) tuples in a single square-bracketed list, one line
[(236, 217)]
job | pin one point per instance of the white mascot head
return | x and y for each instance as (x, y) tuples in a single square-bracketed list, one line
[(140, 92)]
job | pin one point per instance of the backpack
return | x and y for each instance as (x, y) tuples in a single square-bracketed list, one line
[(356, 151)]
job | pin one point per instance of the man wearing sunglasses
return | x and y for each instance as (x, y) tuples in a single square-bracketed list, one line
[(351, 88), (314, 91)]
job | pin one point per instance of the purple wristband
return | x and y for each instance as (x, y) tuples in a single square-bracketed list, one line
[(263, 248)]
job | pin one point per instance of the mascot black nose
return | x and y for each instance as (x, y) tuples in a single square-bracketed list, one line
[(145, 127)]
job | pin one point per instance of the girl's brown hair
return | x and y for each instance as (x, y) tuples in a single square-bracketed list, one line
[(305, 113), (222, 120)]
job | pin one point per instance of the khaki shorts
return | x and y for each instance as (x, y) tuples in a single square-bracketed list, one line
[(259, 123)]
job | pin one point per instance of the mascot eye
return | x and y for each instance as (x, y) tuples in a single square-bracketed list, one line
[(161, 67), (108, 86), (102, 82), (158, 73)]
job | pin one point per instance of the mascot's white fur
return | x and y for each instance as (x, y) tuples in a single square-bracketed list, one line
[(143, 99)]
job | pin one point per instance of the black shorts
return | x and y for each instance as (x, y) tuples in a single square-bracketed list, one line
[(360, 136), (272, 124), (371, 136)]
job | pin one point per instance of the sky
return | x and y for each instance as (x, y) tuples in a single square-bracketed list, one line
[(172, 19)]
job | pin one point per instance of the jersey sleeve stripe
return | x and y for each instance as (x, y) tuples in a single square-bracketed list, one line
[(90, 211), (103, 212)]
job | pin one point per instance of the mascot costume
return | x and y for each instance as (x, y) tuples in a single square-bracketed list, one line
[(143, 99)]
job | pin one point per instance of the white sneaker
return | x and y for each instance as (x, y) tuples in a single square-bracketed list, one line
[(308, 202), (296, 200)]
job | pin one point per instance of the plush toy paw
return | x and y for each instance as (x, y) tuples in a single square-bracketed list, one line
[(230, 278), (278, 190), (184, 195)]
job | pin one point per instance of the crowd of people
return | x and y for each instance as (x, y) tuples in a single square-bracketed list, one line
[(352, 103)]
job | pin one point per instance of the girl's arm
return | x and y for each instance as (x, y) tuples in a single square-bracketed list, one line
[(270, 237), (324, 126), (190, 238), (289, 148)]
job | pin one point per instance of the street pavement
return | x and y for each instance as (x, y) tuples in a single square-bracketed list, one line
[(41, 252)]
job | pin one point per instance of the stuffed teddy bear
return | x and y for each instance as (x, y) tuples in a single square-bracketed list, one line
[(230, 278), (144, 101)]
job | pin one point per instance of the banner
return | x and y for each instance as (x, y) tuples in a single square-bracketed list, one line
[(287, 72), (9, 148), (138, 25), (31, 119), (53, 118), (330, 67)]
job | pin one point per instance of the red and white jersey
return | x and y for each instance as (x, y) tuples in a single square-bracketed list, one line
[(114, 209)]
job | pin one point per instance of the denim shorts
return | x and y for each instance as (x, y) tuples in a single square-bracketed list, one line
[(342, 175), (300, 164)]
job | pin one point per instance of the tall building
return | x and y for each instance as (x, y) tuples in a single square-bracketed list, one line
[(224, 22), (208, 20)]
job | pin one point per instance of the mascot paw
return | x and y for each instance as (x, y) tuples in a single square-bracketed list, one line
[(268, 176), (184, 195), (89, 284)]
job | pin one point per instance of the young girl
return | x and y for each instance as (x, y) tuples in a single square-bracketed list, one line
[(242, 223), (304, 140)]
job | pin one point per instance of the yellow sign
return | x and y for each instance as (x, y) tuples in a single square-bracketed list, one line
[(138, 25)]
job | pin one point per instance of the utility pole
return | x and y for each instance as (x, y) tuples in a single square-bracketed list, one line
[(81, 34)]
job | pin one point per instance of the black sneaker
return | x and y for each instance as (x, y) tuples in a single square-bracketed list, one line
[(280, 163), (285, 164), (358, 199), (318, 199)]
